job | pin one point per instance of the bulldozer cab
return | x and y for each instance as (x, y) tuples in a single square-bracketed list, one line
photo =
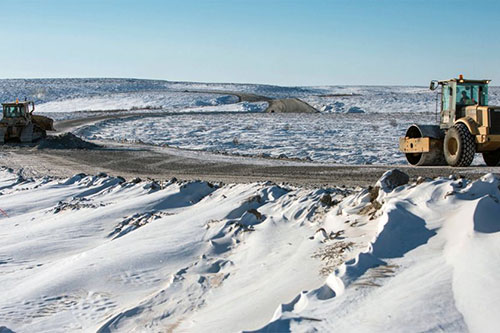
[(20, 124), (456, 95), (18, 109)]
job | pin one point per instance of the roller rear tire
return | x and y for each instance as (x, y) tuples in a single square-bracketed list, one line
[(459, 146)]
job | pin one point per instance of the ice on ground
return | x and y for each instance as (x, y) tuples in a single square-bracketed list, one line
[(98, 253), (366, 138)]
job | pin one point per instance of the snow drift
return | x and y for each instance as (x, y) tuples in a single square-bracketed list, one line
[(99, 253), (433, 266)]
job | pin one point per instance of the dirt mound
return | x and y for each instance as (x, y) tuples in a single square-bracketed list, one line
[(289, 105), (65, 141)]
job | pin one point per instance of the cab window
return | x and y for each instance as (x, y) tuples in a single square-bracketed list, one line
[(483, 95), (446, 97), (466, 94), (13, 111), (472, 94)]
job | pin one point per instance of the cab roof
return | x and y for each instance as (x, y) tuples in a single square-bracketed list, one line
[(461, 80), (16, 103)]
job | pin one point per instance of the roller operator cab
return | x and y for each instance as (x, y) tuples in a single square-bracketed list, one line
[(20, 124), (468, 125)]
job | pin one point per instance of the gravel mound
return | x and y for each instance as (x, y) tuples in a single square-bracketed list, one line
[(65, 141), (355, 109), (289, 105)]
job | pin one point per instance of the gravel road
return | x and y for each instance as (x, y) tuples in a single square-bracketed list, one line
[(161, 163)]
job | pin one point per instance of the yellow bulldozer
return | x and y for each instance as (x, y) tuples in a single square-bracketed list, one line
[(20, 124), (468, 125)]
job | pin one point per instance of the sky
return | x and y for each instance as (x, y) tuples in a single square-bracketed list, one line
[(309, 42)]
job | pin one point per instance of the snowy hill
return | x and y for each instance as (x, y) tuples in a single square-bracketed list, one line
[(356, 125), (98, 253), (327, 98)]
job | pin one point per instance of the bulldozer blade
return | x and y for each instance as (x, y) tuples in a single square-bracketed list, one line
[(2, 134), (43, 122)]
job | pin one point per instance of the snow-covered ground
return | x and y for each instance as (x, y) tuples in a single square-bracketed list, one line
[(77, 98), (137, 101), (433, 266), (218, 123), (97, 253), (346, 138), (93, 94), (48, 90)]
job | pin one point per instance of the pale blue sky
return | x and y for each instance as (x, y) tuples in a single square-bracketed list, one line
[(278, 42)]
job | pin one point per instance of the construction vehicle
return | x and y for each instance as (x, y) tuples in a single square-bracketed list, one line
[(468, 125), (20, 124)]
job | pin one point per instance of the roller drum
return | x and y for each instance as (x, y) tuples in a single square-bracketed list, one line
[(435, 156)]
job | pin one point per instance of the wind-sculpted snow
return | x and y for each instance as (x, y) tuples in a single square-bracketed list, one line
[(432, 266), (98, 253)]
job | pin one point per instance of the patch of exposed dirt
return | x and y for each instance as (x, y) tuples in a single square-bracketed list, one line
[(332, 255), (65, 141), (136, 221)]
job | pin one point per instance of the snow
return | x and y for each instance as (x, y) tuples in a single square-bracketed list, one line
[(368, 98), (137, 101), (52, 90), (98, 253), (92, 251), (432, 267), (357, 124), (332, 138)]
